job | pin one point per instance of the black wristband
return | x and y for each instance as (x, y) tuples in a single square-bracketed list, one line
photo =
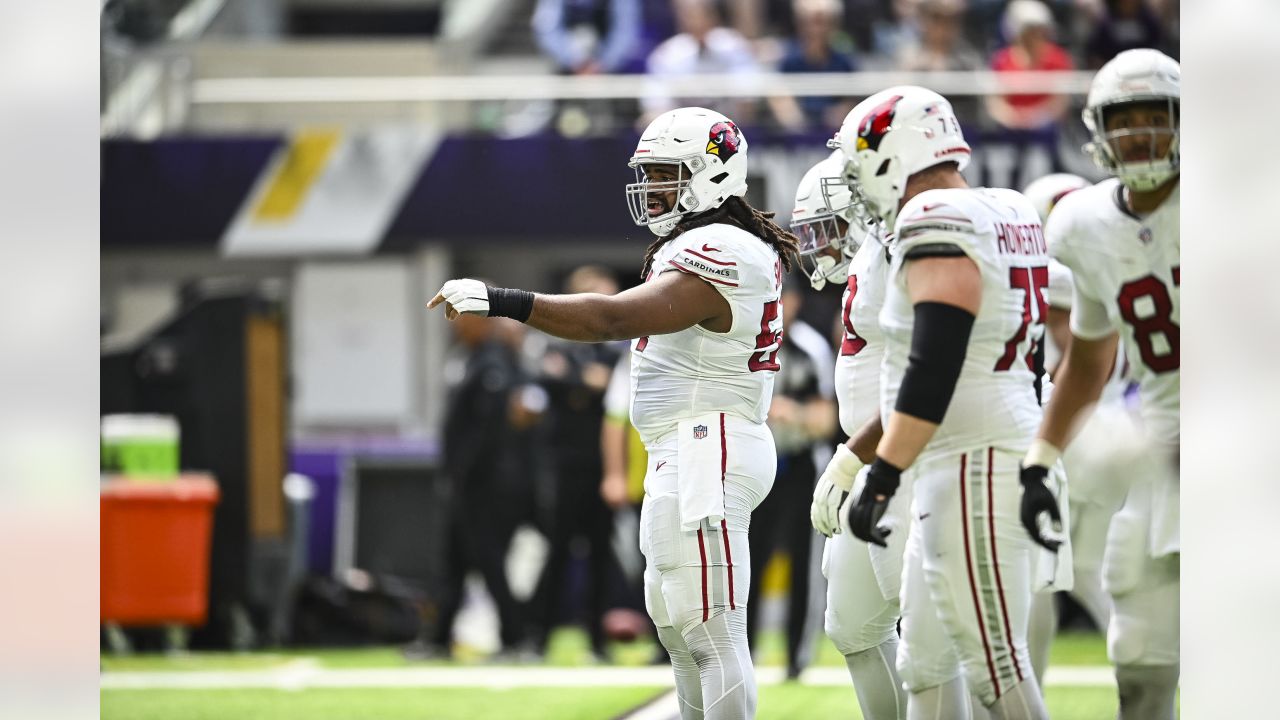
[(510, 302), (882, 478), (939, 342)]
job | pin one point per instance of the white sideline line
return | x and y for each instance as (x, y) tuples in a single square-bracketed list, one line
[(305, 673), (663, 707)]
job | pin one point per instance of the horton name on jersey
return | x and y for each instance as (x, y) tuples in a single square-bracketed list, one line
[(1020, 239)]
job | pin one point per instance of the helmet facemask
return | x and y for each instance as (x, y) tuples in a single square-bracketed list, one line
[(645, 195), (819, 237), (839, 227), (1107, 147)]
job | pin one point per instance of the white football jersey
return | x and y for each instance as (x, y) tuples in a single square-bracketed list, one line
[(995, 400), (694, 371), (862, 343), (1127, 274), (1061, 289)]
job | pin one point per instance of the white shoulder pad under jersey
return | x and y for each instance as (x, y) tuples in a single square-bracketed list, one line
[(686, 373), (995, 401), (861, 344), (1127, 276)]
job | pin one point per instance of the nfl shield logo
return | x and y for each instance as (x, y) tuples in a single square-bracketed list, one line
[(699, 432)]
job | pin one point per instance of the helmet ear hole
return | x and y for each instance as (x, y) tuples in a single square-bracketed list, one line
[(884, 168), (719, 178)]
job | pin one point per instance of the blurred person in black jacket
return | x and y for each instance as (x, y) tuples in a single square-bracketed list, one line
[(484, 378), (575, 377), (802, 414)]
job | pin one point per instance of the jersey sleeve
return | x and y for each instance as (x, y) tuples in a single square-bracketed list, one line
[(742, 267), (720, 260), (934, 228), (1060, 285), (1089, 318)]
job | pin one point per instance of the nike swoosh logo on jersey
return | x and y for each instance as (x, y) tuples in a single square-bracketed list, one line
[(925, 516), (664, 462), (708, 248)]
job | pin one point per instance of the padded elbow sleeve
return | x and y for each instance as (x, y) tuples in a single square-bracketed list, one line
[(939, 341)]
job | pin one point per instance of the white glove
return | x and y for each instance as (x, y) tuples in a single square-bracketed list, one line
[(835, 483), (465, 296)]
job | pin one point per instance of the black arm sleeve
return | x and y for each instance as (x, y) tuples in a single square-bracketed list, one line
[(935, 249), (939, 341)]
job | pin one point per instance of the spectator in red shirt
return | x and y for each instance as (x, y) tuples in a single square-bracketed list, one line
[(1029, 26)]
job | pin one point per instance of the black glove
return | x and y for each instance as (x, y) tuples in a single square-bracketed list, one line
[(865, 514), (1037, 499)]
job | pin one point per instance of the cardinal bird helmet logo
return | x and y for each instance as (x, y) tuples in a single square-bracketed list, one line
[(725, 140), (876, 124)]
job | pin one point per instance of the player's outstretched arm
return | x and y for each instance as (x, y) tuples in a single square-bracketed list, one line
[(946, 292), (673, 301)]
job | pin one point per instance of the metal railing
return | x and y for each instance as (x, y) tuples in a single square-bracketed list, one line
[(463, 88)]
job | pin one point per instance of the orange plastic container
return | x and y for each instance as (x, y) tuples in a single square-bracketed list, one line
[(155, 550)]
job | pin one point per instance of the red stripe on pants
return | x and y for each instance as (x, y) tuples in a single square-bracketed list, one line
[(995, 560), (702, 550), (973, 586), (724, 526)]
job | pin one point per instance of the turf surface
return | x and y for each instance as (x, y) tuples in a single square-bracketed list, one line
[(568, 649), (593, 703), (777, 702)]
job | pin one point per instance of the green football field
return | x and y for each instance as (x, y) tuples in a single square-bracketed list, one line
[(501, 694)]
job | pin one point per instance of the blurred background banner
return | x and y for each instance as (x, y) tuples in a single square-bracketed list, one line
[(326, 191), (392, 189)]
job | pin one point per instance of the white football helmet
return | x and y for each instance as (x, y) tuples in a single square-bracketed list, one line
[(1045, 192), (711, 154), (823, 201), (894, 134), (1135, 76)]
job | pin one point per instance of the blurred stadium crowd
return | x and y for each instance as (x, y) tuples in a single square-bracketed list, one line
[(669, 39)]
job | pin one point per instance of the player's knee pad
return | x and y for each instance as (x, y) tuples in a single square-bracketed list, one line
[(654, 603), (853, 628), (692, 576), (859, 616), (985, 646), (922, 667), (1126, 554), (1144, 622)]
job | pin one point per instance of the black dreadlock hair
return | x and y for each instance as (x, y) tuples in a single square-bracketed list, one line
[(736, 211)]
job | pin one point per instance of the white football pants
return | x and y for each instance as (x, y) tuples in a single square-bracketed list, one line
[(696, 581), (967, 583)]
